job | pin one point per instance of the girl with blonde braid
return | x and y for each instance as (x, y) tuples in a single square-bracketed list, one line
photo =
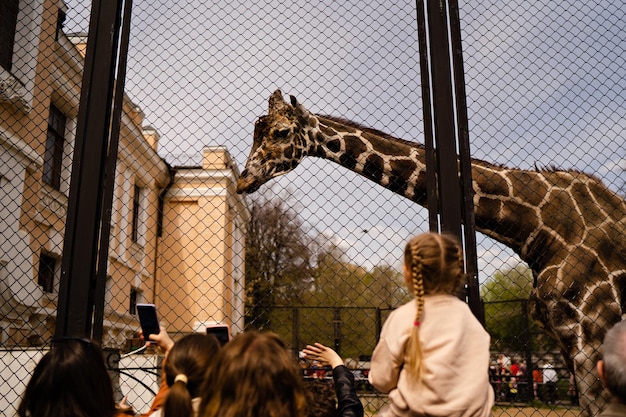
[(433, 355)]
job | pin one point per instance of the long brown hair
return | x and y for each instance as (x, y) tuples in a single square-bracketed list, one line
[(255, 376), (187, 364), (435, 264)]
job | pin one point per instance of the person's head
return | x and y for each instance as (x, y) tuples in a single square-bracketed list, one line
[(612, 366), (71, 380), (186, 365), (433, 264), (254, 376), (320, 399)]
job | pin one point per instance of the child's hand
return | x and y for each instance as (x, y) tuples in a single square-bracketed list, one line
[(124, 408), (163, 340), (323, 354)]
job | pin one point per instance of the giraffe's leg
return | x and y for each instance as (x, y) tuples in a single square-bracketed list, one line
[(600, 310), (579, 340), (578, 311), (592, 396), (581, 343)]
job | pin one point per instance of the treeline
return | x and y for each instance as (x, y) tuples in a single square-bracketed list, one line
[(306, 289)]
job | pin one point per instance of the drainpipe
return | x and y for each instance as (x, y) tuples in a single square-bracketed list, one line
[(162, 194)]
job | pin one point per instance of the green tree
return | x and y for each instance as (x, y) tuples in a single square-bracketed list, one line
[(336, 282), (309, 292), (385, 287), (511, 284), (506, 313), (345, 299)]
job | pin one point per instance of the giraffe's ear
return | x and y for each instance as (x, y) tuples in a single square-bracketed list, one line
[(301, 112), (276, 102)]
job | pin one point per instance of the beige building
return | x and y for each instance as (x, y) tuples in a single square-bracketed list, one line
[(204, 215), (186, 258)]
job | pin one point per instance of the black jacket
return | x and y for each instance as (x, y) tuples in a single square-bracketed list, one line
[(348, 403)]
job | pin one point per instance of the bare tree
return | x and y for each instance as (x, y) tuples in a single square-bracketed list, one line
[(278, 260)]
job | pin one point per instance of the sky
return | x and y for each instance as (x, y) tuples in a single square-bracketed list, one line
[(546, 86)]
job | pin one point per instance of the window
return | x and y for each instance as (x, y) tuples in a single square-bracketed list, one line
[(45, 276), (60, 24), (53, 159), (133, 301), (8, 20), (136, 207)]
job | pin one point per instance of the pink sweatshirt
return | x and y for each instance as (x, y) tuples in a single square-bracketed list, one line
[(455, 346)]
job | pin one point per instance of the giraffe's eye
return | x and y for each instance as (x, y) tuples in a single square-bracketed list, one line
[(282, 133)]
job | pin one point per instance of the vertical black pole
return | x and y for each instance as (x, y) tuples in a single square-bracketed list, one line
[(465, 166), (441, 65), (337, 330), (528, 345), (78, 267), (109, 184), (443, 110), (296, 331), (429, 147)]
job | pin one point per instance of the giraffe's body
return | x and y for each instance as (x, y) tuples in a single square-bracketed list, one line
[(568, 227)]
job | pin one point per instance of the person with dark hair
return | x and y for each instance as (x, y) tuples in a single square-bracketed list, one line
[(71, 380), (612, 370), (186, 365), (348, 403), (433, 354), (320, 398), (254, 375)]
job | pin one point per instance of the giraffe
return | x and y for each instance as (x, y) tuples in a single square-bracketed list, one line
[(566, 225)]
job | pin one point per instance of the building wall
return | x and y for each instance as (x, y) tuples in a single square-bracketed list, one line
[(47, 71), (26, 228), (203, 215)]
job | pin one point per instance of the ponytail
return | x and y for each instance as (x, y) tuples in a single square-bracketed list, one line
[(185, 368), (178, 400)]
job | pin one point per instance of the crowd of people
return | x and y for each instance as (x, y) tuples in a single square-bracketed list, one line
[(431, 359), (511, 381)]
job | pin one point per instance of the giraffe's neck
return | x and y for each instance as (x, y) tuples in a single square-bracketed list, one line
[(507, 201), (394, 163)]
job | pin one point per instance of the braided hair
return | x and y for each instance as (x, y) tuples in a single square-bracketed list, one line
[(435, 264)]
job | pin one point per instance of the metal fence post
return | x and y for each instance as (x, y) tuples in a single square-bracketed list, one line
[(337, 330), (78, 267), (450, 202)]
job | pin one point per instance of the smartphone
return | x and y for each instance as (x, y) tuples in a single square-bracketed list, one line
[(148, 320), (220, 331)]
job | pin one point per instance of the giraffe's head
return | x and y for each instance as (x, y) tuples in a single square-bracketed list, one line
[(280, 142)]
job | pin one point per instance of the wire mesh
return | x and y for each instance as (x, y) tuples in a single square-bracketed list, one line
[(316, 254)]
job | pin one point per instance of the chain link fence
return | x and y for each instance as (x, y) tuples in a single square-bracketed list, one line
[(314, 255)]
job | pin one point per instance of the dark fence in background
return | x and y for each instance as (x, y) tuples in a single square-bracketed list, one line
[(545, 87)]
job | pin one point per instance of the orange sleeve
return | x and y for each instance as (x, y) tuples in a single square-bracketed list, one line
[(159, 399)]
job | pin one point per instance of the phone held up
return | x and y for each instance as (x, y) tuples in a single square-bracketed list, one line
[(148, 320), (220, 331)]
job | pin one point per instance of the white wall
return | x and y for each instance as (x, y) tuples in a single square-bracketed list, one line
[(136, 370), (15, 373)]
